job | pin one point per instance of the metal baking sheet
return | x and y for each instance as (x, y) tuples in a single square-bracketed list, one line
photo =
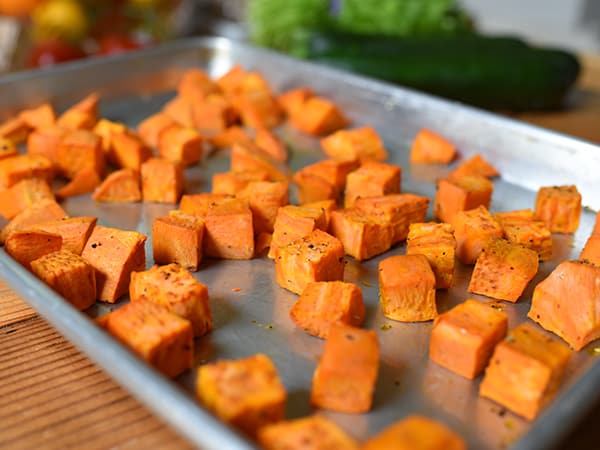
[(251, 311)]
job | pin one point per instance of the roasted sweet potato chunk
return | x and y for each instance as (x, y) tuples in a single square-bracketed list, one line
[(461, 194), (26, 246), (42, 211), (559, 207), (431, 148), (177, 238), (362, 144), (591, 250), (372, 179), (17, 168), (293, 222), (524, 228), (23, 194), (121, 186), (472, 230), (162, 181), (75, 231)]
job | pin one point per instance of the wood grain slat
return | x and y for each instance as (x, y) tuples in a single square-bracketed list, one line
[(12, 308)]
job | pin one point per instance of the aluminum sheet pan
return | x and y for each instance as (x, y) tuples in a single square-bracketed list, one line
[(255, 318)]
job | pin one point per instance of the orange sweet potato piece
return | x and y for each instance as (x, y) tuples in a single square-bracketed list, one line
[(565, 302), (196, 84), (162, 181), (114, 254), (503, 270), (245, 393), (128, 150), (431, 148), (26, 246), (213, 114), (69, 275), (345, 377), (257, 106), (249, 157), (271, 144), (318, 116), (75, 231), (463, 338), (39, 117), (262, 243), (372, 179), (407, 288), (324, 303), (105, 129), (559, 207), (82, 115), (180, 144), (42, 211), (416, 433), (17, 168), (315, 431), (231, 81), (315, 257), (472, 230), (83, 182), (180, 110), (78, 150), (363, 144), (15, 130), (233, 183), (437, 243), (264, 199), (462, 194), (323, 180), (591, 250), (596, 229), (46, 142), (476, 165), (8, 148), (121, 186), (198, 204), (232, 135), (22, 195), (524, 228), (173, 287), (177, 238), (294, 222), (152, 126), (327, 206), (161, 338), (293, 99), (525, 371)]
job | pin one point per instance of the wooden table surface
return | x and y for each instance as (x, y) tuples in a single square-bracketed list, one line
[(54, 397)]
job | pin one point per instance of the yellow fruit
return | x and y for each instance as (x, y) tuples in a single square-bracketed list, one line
[(64, 19)]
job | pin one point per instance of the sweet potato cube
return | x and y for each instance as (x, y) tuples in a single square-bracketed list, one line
[(119, 187), (245, 393), (83, 182), (213, 114), (462, 194), (15, 130), (196, 84), (26, 246), (372, 179), (177, 238), (69, 275), (591, 250), (397, 210), (323, 180), (294, 222), (524, 228), (232, 183), (162, 181), (407, 288), (476, 165), (105, 129), (198, 204), (327, 206), (312, 432), (17, 168), (230, 81), (271, 144), (315, 257), (253, 99), (525, 371), (249, 157), (361, 236), (264, 199), (363, 144), (179, 109), (42, 211), (78, 150), (114, 254), (503, 270), (231, 135), (128, 151), (152, 126), (173, 287), (565, 302), (39, 117), (82, 115), (559, 207), (23, 194), (75, 231), (181, 145), (437, 243), (431, 148), (345, 377), (161, 338), (46, 142), (324, 303), (463, 339), (318, 116), (472, 230), (293, 99), (416, 433), (8, 148)]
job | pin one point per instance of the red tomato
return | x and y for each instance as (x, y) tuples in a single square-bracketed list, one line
[(48, 53), (112, 44)]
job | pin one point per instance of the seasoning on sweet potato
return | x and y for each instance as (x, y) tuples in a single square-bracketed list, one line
[(362, 236), (472, 230), (416, 433), (198, 204), (128, 150), (213, 114), (293, 222), (407, 288), (177, 238), (312, 432), (476, 165), (317, 256), (162, 181), (372, 179), (39, 117), (114, 254), (328, 206), (362, 144), (181, 145), (271, 144), (78, 150), (22, 195), (75, 231), (161, 338), (42, 211), (120, 186), (461, 194), (233, 183), (524, 228), (46, 142), (293, 99), (69, 275), (345, 377), (15, 130), (245, 393), (152, 126), (232, 135), (565, 302), (83, 182), (179, 109), (82, 115), (196, 84), (324, 303), (27, 245), (437, 243), (318, 116), (591, 250), (173, 287), (7, 148), (323, 180), (559, 207), (431, 148), (249, 157), (463, 338), (17, 168), (397, 210), (525, 371), (264, 199)]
